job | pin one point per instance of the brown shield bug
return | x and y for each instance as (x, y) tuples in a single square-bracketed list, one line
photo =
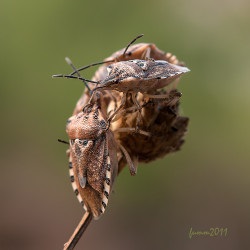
[(142, 76), (130, 52), (136, 76), (93, 162)]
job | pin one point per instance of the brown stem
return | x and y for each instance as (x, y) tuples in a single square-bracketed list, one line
[(82, 226)]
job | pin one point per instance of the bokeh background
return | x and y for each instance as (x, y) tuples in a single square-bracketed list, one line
[(205, 185)]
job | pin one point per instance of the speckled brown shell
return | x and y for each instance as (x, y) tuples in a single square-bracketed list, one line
[(92, 158)]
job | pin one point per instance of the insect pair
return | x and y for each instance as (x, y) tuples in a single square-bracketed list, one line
[(93, 149), (132, 76)]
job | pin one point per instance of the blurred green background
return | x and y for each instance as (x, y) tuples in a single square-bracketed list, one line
[(205, 185)]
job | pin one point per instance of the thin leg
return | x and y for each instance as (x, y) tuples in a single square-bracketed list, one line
[(123, 101), (132, 130), (82, 226), (132, 166), (165, 96), (146, 54), (139, 116)]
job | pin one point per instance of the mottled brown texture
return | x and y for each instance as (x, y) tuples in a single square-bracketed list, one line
[(160, 118), (91, 143), (140, 75)]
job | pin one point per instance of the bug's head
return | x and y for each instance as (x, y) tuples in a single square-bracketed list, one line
[(88, 124)]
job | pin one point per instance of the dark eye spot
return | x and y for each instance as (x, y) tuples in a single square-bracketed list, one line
[(103, 124), (72, 141), (141, 64), (83, 142), (95, 116)]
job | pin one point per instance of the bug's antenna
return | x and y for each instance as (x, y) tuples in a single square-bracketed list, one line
[(74, 77), (69, 62), (98, 63), (62, 141), (139, 36), (90, 65)]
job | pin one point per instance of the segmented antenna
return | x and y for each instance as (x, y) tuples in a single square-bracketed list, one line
[(62, 141), (141, 35), (69, 62), (90, 65), (74, 77), (99, 63)]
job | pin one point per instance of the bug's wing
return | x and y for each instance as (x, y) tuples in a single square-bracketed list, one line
[(164, 71), (97, 164), (111, 169)]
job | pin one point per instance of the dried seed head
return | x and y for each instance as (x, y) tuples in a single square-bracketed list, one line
[(161, 119)]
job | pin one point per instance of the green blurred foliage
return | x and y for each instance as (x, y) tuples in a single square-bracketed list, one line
[(204, 185)]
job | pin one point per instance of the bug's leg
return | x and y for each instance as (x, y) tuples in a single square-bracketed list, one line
[(139, 115), (165, 96), (132, 130), (90, 102), (171, 58), (124, 112), (131, 164), (123, 101), (156, 96), (146, 53), (113, 100)]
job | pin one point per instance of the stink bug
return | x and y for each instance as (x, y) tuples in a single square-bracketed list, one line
[(142, 76), (92, 158), (136, 76), (130, 52), (93, 164)]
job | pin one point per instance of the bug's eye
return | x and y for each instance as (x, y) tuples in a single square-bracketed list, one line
[(72, 141), (103, 124), (83, 142)]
